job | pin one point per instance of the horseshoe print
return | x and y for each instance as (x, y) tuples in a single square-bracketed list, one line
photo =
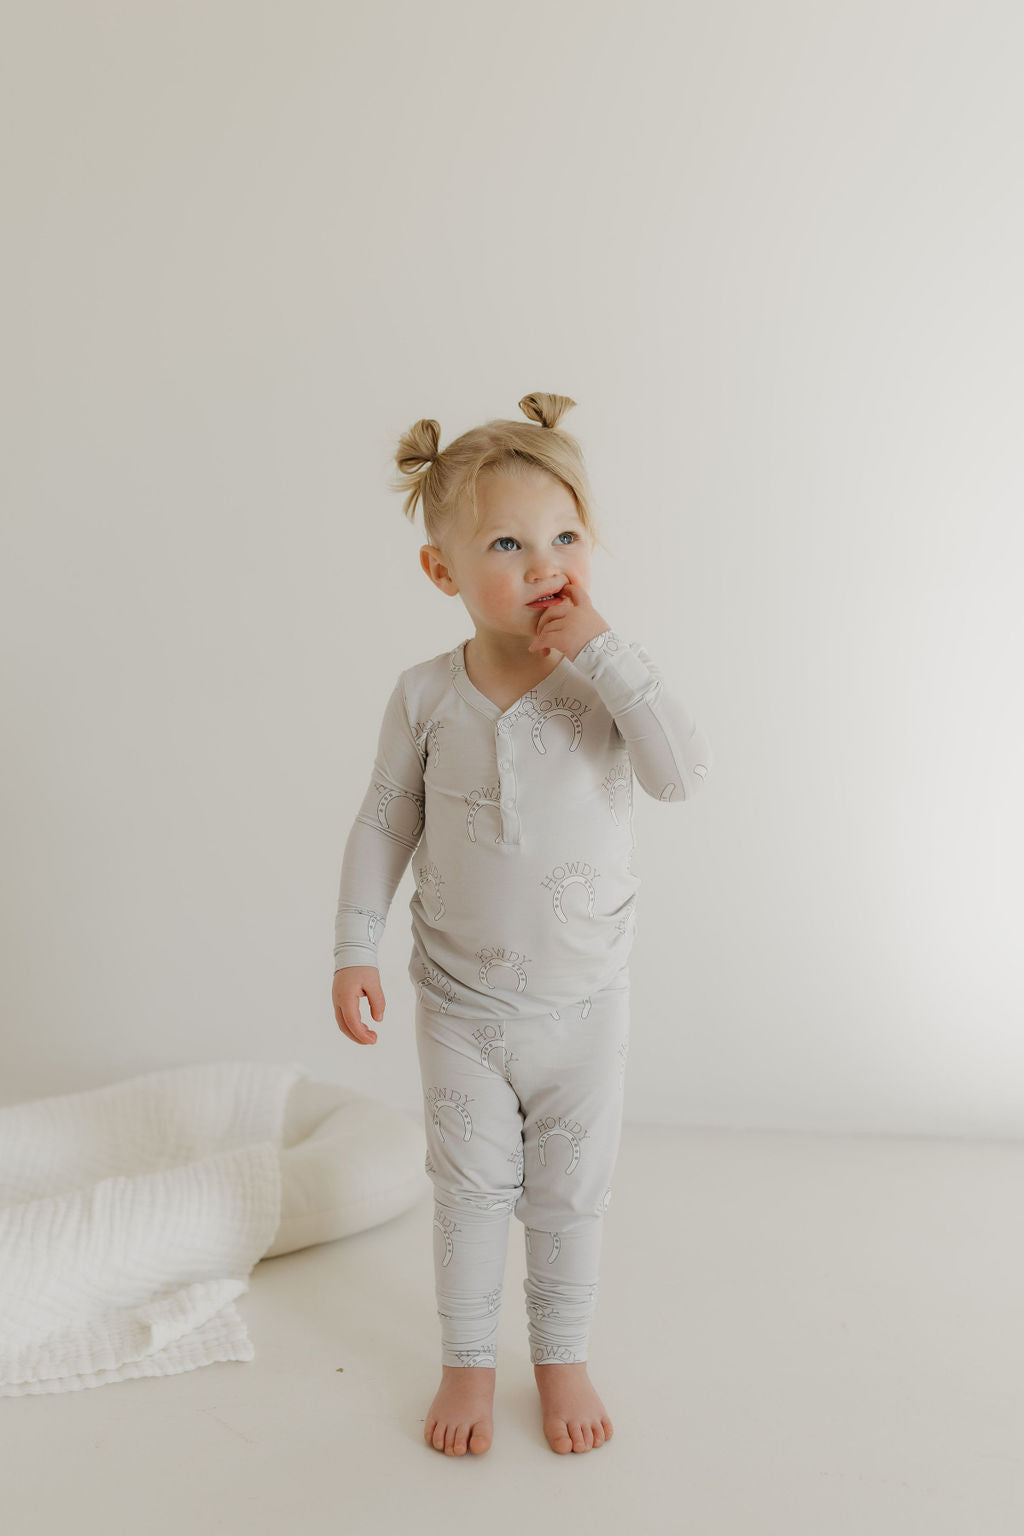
[(467, 1120), (425, 737), (372, 920), (485, 1058), (449, 1098), (552, 708), (512, 964), (556, 899), (476, 799), (621, 777), (429, 874), (447, 1227), (542, 1310), (570, 1138), (490, 1038), (628, 911), (485, 1355), (556, 1243), (449, 1246), (387, 794), (432, 977)]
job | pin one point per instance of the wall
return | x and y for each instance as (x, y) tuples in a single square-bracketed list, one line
[(774, 252)]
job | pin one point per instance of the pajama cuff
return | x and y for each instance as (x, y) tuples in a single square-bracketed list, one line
[(353, 954), (616, 671)]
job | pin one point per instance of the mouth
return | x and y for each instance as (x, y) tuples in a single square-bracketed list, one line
[(550, 597)]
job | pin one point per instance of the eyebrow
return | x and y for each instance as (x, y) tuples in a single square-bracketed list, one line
[(570, 522)]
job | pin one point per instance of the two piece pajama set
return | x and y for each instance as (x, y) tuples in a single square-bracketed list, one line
[(519, 823)]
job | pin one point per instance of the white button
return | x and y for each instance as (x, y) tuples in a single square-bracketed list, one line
[(508, 804), (506, 763)]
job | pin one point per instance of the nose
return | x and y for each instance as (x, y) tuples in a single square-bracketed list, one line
[(543, 570)]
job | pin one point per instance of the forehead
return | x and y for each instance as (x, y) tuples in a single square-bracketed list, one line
[(505, 500)]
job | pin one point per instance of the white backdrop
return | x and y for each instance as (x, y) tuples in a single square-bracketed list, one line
[(774, 252)]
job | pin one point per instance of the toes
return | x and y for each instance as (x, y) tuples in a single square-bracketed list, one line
[(557, 1432), (479, 1440), (456, 1439), (588, 1435), (576, 1436), (606, 1425)]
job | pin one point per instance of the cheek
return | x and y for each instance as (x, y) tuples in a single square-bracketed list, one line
[(496, 588)]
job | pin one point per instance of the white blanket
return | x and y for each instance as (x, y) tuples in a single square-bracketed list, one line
[(130, 1219)]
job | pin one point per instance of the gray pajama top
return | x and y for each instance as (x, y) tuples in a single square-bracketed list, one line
[(519, 823)]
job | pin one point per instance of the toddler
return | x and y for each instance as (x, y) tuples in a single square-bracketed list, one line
[(505, 770)]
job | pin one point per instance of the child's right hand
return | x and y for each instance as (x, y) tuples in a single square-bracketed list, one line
[(351, 982)]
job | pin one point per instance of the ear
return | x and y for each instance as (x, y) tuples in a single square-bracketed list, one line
[(433, 562)]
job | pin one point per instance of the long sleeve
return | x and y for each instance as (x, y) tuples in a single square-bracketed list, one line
[(670, 754), (382, 840)]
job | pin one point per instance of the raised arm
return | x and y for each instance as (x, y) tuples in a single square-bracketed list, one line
[(382, 840), (670, 754)]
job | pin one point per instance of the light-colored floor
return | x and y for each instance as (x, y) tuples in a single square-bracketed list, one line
[(794, 1335)]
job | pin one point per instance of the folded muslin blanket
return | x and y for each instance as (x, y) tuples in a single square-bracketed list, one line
[(130, 1219)]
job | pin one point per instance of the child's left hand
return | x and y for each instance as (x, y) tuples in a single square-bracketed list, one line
[(569, 623)]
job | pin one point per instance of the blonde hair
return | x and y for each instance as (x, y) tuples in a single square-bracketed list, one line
[(445, 480)]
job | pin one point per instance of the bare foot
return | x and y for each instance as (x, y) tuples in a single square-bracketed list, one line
[(575, 1419), (460, 1416)]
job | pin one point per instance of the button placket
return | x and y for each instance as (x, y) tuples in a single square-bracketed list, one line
[(506, 778)]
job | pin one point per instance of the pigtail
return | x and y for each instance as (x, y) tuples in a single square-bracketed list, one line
[(548, 410), (415, 456)]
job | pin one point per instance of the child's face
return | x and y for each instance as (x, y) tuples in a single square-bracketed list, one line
[(530, 538)]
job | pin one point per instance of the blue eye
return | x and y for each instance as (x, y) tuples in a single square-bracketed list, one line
[(506, 538)]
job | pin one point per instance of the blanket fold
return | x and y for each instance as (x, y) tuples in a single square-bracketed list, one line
[(131, 1217)]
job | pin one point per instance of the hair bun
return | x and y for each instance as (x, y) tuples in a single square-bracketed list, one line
[(419, 446), (547, 410)]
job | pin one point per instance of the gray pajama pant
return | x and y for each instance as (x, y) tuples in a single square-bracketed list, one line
[(524, 1116)]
